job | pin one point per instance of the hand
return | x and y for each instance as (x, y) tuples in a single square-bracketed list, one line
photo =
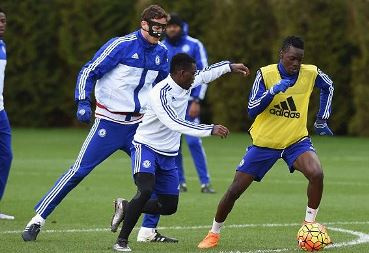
[(84, 111), (321, 127), (282, 86), (220, 130), (239, 68), (194, 110)]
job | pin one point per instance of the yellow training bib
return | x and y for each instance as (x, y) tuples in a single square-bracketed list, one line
[(284, 121)]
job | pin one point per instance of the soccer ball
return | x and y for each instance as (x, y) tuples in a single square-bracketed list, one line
[(312, 237)]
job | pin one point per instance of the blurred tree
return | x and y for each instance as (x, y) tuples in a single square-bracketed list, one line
[(49, 41), (33, 91), (240, 31), (359, 10)]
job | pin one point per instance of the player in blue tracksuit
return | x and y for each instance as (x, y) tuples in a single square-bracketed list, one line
[(178, 41), (6, 154), (122, 73)]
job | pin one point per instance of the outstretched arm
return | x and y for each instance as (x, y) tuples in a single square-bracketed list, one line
[(161, 101), (216, 70)]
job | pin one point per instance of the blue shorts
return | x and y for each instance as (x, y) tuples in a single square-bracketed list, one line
[(258, 160), (163, 167)]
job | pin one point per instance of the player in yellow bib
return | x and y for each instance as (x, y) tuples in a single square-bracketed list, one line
[(279, 102)]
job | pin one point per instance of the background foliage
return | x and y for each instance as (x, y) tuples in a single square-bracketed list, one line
[(49, 41)]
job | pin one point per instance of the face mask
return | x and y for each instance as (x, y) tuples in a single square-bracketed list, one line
[(159, 27)]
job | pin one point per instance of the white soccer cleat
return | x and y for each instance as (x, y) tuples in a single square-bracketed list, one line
[(152, 235), (6, 217), (33, 228), (122, 246)]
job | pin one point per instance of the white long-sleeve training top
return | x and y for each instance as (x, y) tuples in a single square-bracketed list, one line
[(164, 120)]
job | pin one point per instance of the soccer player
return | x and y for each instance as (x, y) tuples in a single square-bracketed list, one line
[(279, 103), (122, 72), (157, 141), (6, 154), (178, 41)]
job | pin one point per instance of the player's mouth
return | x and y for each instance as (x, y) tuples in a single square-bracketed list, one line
[(294, 70)]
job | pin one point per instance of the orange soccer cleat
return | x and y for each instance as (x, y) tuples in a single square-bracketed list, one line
[(210, 241)]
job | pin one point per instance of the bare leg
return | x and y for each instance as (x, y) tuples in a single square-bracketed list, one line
[(240, 183), (308, 164)]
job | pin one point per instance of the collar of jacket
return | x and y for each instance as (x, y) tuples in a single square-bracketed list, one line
[(284, 73), (176, 89), (143, 41), (178, 41)]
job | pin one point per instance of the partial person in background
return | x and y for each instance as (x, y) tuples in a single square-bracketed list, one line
[(6, 155), (122, 73), (178, 41)]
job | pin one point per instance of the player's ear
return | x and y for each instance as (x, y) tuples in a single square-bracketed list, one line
[(281, 54), (144, 25)]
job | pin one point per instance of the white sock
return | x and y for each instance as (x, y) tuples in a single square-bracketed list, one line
[(144, 231), (216, 227), (310, 214), (37, 219)]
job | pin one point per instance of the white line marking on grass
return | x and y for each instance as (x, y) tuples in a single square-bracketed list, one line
[(193, 227), (362, 237)]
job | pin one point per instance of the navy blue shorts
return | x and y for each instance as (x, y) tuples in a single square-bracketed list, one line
[(258, 160), (163, 167)]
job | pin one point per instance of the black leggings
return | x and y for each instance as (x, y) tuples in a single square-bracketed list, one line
[(165, 204)]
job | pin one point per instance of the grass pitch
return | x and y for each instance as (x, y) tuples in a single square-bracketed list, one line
[(265, 219)]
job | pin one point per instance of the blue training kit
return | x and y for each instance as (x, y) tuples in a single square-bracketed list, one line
[(6, 154), (105, 137), (146, 160), (259, 160)]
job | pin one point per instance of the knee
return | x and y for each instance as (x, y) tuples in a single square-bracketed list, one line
[(169, 210), (169, 206), (317, 174)]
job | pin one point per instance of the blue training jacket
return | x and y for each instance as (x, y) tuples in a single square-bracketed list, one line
[(123, 72)]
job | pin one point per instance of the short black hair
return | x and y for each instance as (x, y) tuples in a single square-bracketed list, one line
[(175, 19), (2, 10), (294, 41), (181, 61)]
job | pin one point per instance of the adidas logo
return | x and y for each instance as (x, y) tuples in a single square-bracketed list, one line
[(286, 109), (135, 56)]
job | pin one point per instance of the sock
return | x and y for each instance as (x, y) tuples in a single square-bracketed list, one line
[(310, 214), (146, 232), (216, 227), (37, 219)]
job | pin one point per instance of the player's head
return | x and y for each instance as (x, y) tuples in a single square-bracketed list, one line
[(153, 23), (2, 22), (183, 69), (292, 53), (174, 27)]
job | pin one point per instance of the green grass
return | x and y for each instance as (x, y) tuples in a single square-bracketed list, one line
[(41, 156)]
